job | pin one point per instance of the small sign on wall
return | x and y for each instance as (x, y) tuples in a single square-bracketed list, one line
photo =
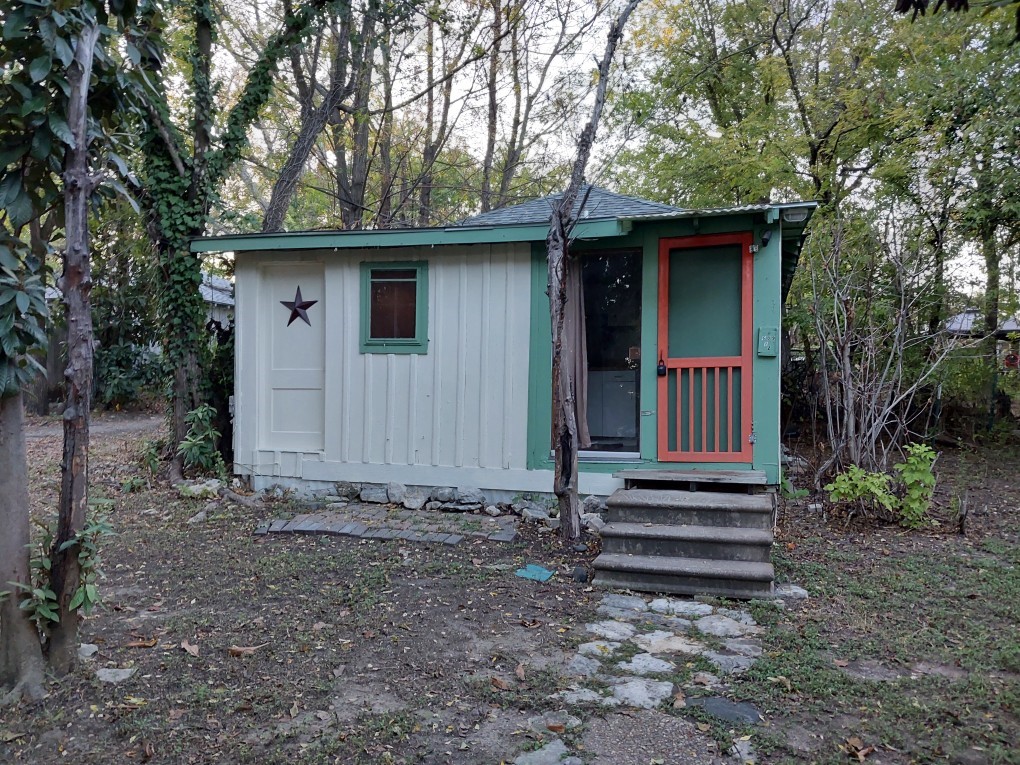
[(768, 341)]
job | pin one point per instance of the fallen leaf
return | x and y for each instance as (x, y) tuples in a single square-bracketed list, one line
[(499, 684), (244, 650), (783, 681), (556, 727), (520, 672), (9, 736), (148, 751), (142, 643), (190, 648), (841, 663), (476, 561), (531, 623), (176, 714), (319, 626), (294, 710), (679, 700), (704, 727), (368, 634), (338, 671)]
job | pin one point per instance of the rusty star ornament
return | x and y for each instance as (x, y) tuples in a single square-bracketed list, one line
[(298, 308)]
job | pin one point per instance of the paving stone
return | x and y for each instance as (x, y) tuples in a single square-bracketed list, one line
[(289, 526), (729, 664), (452, 539), (791, 592), (646, 664), (679, 607), (277, 525), (744, 647), (666, 642), (743, 617), (435, 537), (642, 693), (553, 753), (358, 529), (503, 536), (622, 614), (612, 630), (261, 529), (583, 666), (560, 719), (724, 709), (87, 650), (705, 680), (743, 752), (416, 536), (584, 696), (386, 534), (114, 675), (600, 649), (721, 626)]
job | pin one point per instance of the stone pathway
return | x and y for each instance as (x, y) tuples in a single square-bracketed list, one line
[(632, 663), (375, 522)]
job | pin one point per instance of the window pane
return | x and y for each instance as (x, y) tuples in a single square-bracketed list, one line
[(393, 307), (391, 275)]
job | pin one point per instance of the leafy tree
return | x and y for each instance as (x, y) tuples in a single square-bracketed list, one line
[(188, 153), (55, 147)]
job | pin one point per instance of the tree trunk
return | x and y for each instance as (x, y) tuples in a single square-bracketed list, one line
[(492, 124), (992, 257), (75, 284), (21, 661), (565, 441)]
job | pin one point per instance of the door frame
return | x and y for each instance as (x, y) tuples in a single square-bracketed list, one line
[(745, 360)]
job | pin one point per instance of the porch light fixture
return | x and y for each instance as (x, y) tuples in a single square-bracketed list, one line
[(795, 215), (766, 238)]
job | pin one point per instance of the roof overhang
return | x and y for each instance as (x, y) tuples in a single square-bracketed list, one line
[(798, 212)]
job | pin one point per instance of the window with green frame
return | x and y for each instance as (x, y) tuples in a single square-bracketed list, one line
[(394, 307)]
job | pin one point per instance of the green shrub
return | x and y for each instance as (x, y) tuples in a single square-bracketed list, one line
[(909, 502), (199, 447)]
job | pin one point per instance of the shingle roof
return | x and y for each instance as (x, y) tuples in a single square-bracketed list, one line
[(600, 204), (216, 290), (971, 323)]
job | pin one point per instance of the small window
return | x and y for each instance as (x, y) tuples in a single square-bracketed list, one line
[(394, 307)]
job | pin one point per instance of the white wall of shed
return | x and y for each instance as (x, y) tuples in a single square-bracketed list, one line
[(454, 416)]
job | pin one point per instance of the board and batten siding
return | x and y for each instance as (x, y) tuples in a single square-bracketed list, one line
[(311, 406)]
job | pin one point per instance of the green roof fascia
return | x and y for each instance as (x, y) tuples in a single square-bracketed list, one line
[(422, 237)]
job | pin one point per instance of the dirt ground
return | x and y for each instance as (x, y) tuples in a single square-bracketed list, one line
[(306, 649)]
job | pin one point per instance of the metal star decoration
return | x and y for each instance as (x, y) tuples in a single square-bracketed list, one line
[(298, 308)]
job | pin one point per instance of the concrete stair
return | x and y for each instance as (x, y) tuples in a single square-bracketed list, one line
[(691, 533)]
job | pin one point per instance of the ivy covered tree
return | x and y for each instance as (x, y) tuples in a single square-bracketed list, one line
[(188, 145)]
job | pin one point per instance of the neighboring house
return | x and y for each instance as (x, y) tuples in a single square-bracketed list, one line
[(422, 356), (970, 324), (218, 294)]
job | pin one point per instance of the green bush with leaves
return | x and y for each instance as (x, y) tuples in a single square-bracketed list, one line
[(918, 480), (40, 601), (199, 448), (908, 502)]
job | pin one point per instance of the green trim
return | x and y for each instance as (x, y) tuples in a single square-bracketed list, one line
[(420, 342), (425, 237), (539, 364)]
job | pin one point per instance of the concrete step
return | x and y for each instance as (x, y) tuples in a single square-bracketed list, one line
[(691, 479), (690, 508), (714, 542), (685, 576)]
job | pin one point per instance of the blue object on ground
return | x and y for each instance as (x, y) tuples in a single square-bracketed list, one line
[(531, 571)]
